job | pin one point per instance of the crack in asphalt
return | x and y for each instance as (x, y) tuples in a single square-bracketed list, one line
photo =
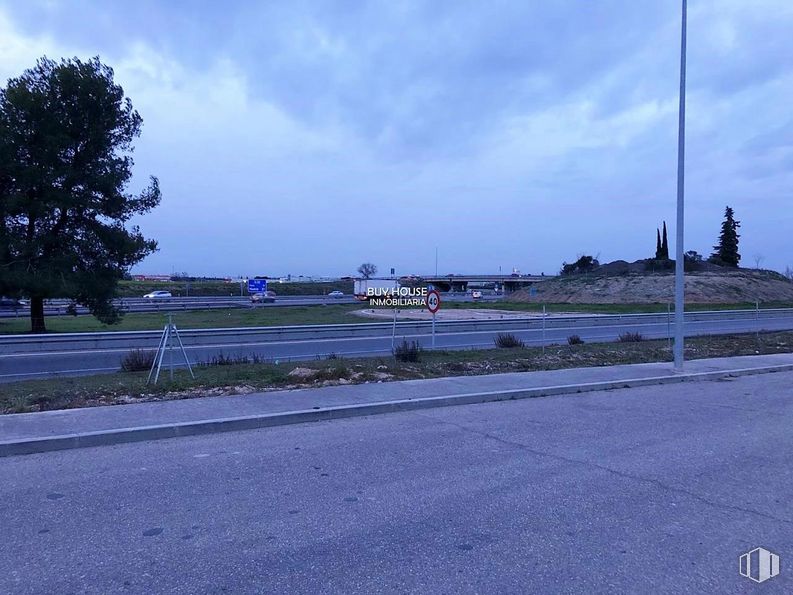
[(622, 474)]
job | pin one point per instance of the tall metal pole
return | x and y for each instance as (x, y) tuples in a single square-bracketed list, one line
[(681, 159)]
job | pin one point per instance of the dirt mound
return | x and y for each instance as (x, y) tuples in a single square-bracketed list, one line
[(625, 287)]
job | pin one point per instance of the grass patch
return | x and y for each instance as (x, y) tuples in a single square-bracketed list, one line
[(240, 378), (319, 314), (191, 319)]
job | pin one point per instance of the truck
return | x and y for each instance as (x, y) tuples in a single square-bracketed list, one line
[(364, 288)]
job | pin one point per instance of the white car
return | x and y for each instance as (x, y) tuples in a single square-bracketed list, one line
[(158, 295), (336, 294), (476, 294)]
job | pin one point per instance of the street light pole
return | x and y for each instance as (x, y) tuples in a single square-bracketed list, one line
[(681, 158)]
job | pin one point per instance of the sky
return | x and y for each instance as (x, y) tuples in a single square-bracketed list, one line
[(309, 136)]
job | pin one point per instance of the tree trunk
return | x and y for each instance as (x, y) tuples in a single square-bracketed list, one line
[(37, 315)]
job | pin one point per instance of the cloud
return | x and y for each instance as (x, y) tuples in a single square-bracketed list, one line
[(309, 136)]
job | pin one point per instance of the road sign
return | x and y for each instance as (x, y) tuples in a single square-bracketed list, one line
[(433, 301), (257, 285)]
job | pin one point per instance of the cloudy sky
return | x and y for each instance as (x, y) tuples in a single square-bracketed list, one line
[(308, 136)]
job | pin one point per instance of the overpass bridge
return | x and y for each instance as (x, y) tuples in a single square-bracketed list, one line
[(499, 283)]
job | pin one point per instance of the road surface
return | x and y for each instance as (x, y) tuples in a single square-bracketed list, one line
[(180, 304), (648, 490), (64, 360)]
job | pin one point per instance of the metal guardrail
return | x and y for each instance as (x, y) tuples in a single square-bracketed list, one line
[(247, 335)]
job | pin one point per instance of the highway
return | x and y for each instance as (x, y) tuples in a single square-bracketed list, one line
[(645, 490), (182, 304), (24, 357)]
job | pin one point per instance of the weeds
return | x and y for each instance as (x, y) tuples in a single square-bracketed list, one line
[(137, 360), (507, 341), (408, 352), (631, 338)]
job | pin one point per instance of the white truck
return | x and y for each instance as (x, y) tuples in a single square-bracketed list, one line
[(366, 288)]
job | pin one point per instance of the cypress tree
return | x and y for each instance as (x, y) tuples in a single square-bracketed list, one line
[(657, 244), (664, 245)]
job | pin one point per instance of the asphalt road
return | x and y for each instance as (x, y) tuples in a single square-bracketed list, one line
[(20, 366), (649, 490), (180, 304)]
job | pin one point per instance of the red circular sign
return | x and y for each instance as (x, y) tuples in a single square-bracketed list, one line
[(433, 301)]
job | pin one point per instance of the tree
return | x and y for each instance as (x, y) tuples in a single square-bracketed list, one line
[(367, 269), (584, 264), (658, 249), (664, 245), (66, 132), (692, 261), (726, 251)]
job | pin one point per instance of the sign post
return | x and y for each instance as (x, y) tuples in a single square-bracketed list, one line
[(257, 286), (433, 305)]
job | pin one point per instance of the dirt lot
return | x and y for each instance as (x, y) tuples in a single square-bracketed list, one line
[(658, 288)]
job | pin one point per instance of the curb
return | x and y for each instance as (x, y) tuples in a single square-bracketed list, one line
[(251, 422)]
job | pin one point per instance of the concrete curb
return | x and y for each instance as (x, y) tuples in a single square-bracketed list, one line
[(232, 424)]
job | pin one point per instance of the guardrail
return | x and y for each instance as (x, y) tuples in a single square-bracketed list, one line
[(10, 344)]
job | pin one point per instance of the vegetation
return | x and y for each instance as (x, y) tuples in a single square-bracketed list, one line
[(575, 340), (367, 270), (726, 251), (630, 338), (138, 360), (220, 288), (233, 317), (66, 132), (408, 352), (662, 245), (330, 314), (508, 341), (584, 264), (121, 388)]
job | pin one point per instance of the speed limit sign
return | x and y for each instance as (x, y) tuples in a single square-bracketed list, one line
[(433, 301)]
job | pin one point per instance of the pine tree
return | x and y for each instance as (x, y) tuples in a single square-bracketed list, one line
[(726, 251), (66, 134), (664, 245), (657, 244)]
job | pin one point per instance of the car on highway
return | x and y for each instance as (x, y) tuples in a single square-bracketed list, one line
[(476, 294), (10, 303), (336, 294), (158, 295), (263, 297)]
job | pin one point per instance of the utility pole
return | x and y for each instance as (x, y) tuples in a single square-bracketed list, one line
[(681, 158)]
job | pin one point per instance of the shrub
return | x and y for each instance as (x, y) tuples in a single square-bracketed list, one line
[(222, 359), (659, 264), (138, 360), (408, 352), (574, 340), (507, 341), (631, 338), (584, 264)]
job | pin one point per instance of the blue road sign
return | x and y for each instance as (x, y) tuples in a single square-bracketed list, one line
[(257, 285)]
